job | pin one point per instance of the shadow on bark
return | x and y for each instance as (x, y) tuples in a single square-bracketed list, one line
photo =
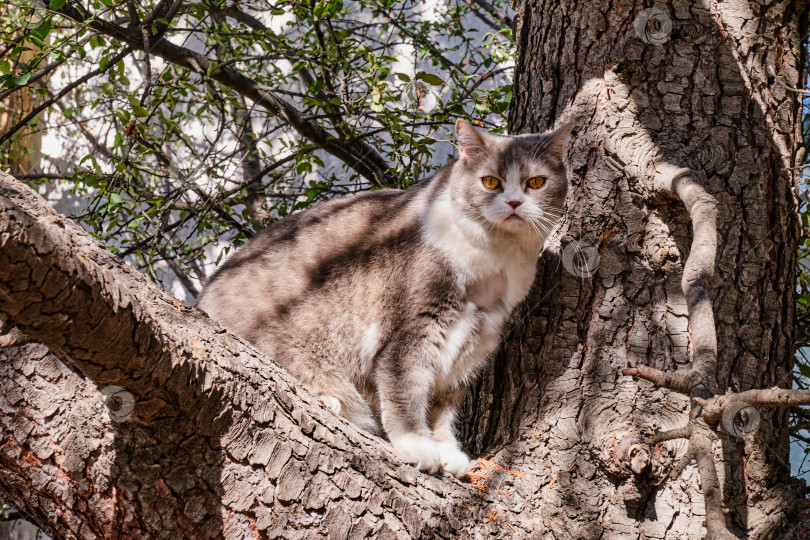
[(711, 96)]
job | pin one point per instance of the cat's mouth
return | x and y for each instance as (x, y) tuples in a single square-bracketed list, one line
[(513, 218)]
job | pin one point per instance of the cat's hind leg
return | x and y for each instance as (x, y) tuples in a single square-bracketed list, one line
[(343, 399)]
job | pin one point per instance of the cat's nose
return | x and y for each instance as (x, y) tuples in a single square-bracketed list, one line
[(514, 204)]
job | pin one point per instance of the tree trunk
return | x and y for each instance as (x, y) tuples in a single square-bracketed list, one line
[(156, 423), (707, 88), (17, 159)]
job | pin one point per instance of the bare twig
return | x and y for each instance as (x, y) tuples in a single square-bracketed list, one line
[(678, 381), (505, 19), (683, 432)]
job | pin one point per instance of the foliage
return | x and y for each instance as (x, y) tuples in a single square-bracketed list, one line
[(171, 161)]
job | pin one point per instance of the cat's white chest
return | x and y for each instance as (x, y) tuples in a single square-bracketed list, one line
[(495, 274), (468, 344), (477, 332), (504, 289)]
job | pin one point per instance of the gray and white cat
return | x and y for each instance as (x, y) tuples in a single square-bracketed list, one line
[(388, 304)]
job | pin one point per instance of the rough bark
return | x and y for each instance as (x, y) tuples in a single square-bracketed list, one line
[(149, 421), (712, 97), (222, 443)]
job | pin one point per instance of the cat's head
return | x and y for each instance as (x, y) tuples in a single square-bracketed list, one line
[(515, 184)]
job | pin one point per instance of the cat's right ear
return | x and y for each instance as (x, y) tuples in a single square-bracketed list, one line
[(470, 141)]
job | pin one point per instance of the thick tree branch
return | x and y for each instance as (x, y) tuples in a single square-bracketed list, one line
[(767, 397), (226, 426), (697, 272)]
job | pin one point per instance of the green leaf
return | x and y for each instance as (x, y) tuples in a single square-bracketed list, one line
[(56, 4), (327, 8), (804, 370), (430, 78), (115, 202), (5, 67), (23, 79), (403, 77), (42, 29)]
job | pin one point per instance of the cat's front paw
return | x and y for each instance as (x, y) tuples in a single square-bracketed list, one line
[(419, 450), (453, 460)]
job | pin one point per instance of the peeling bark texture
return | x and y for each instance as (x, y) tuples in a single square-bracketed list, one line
[(145, 420), (708, 94), (139, 418)]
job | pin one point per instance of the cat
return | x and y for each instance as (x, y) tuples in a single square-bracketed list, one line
[(387, 304)]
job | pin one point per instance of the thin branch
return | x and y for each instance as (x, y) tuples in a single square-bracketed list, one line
[(505, 19), (769, 397), (360, 156), (677, 381), (78, 82), (39, 74)]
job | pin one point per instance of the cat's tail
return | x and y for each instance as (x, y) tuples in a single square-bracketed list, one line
[(342, 397)]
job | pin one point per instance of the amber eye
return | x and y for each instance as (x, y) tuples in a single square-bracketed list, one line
[(491, 182), (536, 182)]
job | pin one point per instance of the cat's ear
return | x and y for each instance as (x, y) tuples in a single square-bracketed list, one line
[(470, 141), (558, 141)]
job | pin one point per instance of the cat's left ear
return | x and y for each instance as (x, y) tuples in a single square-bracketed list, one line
[(558, 140), (470, 141)]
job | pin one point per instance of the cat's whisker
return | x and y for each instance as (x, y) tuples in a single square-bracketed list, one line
[(481, 220), (545, 227), (551, 209), (550, 218), (535, 223), (534, 226), (549, 225)]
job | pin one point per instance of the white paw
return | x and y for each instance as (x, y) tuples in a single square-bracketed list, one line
[(419, 450), (453, 459), (332, 403)]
